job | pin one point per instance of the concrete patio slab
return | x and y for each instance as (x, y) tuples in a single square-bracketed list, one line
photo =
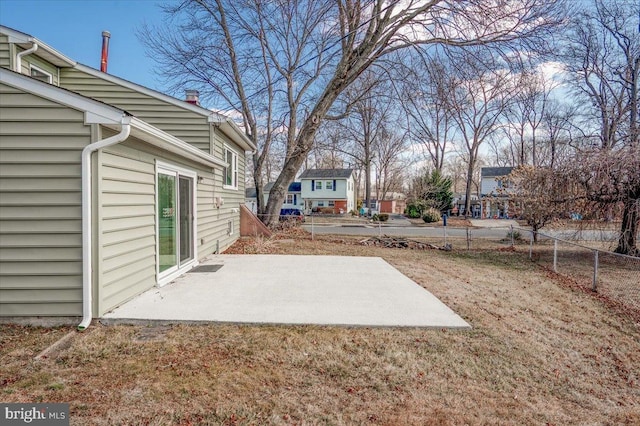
[(277, 289)]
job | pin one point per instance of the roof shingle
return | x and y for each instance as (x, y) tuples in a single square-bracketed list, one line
[(326, 173)]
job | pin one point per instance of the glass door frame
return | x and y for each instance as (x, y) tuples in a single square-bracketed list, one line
[(170, 274)]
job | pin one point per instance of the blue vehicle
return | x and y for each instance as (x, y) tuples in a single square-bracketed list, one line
[(288, 214)]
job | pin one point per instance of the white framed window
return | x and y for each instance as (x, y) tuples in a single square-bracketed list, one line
[(40, 74), (331, 203), (329, 184), (289, 198), (320, 203), (318, 184), (230, 174)]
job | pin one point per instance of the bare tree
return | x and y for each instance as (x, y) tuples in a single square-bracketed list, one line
[(390, 166), (609, 178), (478, 103), (525, 115), (556, 125), (285, 63), (425, 91), (540, 195), (328, 152), (604, 57)]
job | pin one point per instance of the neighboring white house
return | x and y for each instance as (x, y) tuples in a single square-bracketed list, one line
[(494, 188), (293, 199), (328, 189)]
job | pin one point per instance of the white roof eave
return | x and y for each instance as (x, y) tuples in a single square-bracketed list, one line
[(154, 136)]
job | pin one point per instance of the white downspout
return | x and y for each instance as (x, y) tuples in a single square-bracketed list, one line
[(87, 229), (18, 64)]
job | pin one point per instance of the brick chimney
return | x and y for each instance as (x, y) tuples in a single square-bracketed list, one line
[(192, 96)]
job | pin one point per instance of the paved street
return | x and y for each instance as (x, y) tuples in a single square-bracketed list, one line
[(399, 226), (406, 231)]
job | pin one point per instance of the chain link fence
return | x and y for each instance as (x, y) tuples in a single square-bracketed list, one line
[(590, 264)]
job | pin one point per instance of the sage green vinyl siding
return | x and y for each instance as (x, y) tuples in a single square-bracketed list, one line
[(29, 60), (40, 205), (33, 59), (5, 52), (179, 122), (127, 218), (232, 198)]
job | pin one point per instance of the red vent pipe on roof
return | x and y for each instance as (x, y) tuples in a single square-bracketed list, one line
[(105, 51)]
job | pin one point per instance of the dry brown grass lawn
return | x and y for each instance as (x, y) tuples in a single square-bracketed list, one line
[(540, 352)]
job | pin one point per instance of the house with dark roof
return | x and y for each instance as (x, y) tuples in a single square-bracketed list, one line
[(108, 188), (328, 190), (293, 198), (494, 190)]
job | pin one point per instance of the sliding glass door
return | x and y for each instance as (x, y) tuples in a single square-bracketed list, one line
[(175, 218), (185, 217), (167, 229)]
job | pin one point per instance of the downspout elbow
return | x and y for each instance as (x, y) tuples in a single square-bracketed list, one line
[(87, 228), (18, 65)]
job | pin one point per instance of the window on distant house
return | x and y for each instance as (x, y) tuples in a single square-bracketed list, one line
[(231, 171), (329, 185), (332, 203), (40, 74), (320, 203), (318, 184), (289, 198)]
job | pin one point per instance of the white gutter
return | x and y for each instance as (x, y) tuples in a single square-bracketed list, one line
[(87, 229), (18, 64), (164, 140)]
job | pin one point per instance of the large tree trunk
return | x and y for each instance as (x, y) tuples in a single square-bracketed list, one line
[(302, 146), (467, 193), (627, 242)]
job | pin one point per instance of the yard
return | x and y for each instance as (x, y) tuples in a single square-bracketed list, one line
[(541, 351)]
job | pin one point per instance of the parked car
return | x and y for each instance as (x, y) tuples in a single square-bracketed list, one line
[(291, 214)]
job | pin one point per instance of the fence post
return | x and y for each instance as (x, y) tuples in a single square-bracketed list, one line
[(445, 233), (468, 240), (312, 230), (511, 226), (531, 246), (555, 255), (379, 228), (595, 270)]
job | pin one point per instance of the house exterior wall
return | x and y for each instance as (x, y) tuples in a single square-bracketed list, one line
[(187, 125), (310, 193), (344, 190), (127, 219), (490, 185), (297, 204), (29, 60), (40, 205), (40, 195), (216, 221), (5, 52)]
